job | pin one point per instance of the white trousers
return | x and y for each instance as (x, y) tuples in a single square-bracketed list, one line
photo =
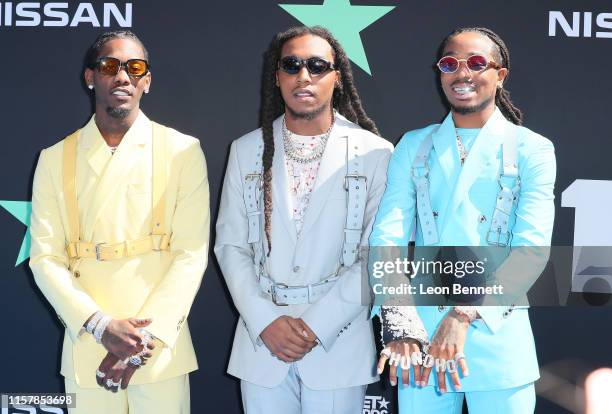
[(163, 397), (293, 397)]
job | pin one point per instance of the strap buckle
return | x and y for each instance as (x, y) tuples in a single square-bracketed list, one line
[(425, 174), (253, 177), (355, 176), (98, 252), (274, 295), (502, 240)]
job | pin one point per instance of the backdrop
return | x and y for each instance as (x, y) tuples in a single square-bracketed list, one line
[(206, 62)]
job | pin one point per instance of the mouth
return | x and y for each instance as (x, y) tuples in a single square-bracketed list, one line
[(463, 90), (303, 95), (121, 93)]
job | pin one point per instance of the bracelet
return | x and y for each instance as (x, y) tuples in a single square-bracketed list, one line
[(469, 312), (101, 327), (94, 321)]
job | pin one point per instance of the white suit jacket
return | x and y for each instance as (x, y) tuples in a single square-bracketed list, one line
[(340, 318)]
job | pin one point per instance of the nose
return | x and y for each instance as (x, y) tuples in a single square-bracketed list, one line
[(303, 76), (463, 69), (122, 77)]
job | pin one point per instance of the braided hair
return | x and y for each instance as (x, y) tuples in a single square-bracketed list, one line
[(345, 100), (502, 55)]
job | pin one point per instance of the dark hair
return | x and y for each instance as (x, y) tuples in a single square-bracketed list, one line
[(93, 53), (345, 100), (502, 55)]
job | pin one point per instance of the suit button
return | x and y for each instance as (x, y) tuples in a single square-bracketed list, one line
[(482, 218), (77, 274), (296, 269), (441, 308)]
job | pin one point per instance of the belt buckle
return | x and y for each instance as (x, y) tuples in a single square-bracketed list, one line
[(357, 176), (273, 293), (98, 245)]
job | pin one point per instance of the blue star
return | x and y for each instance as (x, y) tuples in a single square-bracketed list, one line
[(21, 210)]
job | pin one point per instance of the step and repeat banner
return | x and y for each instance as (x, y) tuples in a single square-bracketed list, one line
[(206, 60)]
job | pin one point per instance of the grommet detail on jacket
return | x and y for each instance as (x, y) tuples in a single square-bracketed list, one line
[(482, 218), (441, 308)]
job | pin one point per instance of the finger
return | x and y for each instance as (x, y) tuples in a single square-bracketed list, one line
[(456, 381), (392, 374), (442, 381), (151, 345), (140, 322), (464, 367), (381, 364), (127, 376), (425, 376), (405, 371)]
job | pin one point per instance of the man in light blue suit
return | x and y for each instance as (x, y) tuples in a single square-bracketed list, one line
[(477, 179)]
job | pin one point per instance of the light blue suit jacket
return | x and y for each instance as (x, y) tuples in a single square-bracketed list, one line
[(500, 348)]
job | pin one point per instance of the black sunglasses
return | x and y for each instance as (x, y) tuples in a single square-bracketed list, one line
[(315, 65), (136, 68)]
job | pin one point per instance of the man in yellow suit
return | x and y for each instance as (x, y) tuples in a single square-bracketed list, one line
[(120, 228)]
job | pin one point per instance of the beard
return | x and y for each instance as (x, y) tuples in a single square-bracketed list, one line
[(117, 113), (307, 116), (464, 110)]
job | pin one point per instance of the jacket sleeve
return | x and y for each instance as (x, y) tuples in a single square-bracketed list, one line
[(345, 300), (532, 231), (392, 231), (236, 255), (48, 258), (169, 303)]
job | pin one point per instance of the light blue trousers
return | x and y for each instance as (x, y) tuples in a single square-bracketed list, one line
[(519, 400), (293, 397)]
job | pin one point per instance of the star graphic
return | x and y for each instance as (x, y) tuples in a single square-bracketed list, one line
[(21, 211), (383, 404), (344, 21)]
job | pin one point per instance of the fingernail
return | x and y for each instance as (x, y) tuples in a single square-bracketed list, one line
[(379, 371), (393, 383), (305, 333), (457, 387)]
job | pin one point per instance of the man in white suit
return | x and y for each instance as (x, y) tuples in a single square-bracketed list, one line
[(120, 227), (299, 199), (477, 179)]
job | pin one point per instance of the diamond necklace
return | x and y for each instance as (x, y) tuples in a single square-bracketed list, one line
[(462, 151), (292, 152)]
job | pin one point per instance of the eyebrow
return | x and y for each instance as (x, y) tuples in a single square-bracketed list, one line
[(453, 53)]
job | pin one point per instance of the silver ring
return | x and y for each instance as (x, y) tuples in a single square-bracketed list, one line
[(135, 360), (110, 383), (386, 352), (459, 355), (100, 374)]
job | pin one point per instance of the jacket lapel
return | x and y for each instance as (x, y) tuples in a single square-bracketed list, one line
[(445, 146), (483, 151), (331, 171), (280, 185), (112, 177)]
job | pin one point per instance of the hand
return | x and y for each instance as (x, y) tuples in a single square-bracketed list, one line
[(122, 336), (448, 341), (400, 349), (288, 339), (115, 369)]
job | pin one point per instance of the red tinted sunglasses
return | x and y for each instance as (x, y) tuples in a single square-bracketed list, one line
[(475, 63)]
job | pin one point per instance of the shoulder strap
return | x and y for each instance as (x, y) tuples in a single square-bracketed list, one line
[(420, 178), (252, 196), (509, 187), (355, 184), (69, 182), (160, 145)]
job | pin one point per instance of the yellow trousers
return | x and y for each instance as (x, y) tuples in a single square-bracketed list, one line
[(164, 397)]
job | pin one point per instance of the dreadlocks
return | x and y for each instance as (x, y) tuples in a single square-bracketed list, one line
[(345, 100), (502, 55)]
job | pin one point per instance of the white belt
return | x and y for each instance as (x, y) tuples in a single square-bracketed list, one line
[(283, 295)]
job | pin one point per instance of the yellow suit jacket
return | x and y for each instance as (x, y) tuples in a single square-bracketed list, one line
[(114, 203)]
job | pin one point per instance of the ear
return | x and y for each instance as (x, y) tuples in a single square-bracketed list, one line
[(88, 76), (276, 79), (502, 74), (147, 81)]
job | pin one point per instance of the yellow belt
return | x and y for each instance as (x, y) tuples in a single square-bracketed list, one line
[(114, 251)]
